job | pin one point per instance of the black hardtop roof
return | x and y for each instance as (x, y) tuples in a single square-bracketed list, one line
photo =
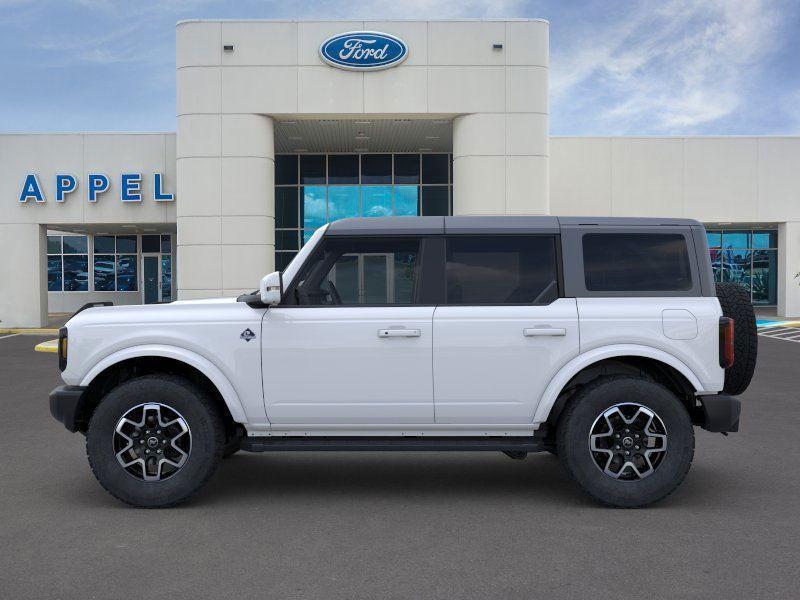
[(488, 224)]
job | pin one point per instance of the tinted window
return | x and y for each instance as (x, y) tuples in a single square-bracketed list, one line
[(501, 270), (636, 262), (376, 168), (286, 169), (365, 271), (151, 243), (343, 168), (434, 168)]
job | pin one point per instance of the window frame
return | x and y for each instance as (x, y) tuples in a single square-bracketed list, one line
[(61, 255), (556, 239), (574, 272), (290, 300)]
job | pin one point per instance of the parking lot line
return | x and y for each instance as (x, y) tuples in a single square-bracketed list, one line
[(2, 337)]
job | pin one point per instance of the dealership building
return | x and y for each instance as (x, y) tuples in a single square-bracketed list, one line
[(283, 126)]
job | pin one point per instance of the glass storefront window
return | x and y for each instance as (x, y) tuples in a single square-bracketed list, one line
[(115, 260), (126, 274), (376, 201), (314, 206), (76, 273), (54, 274), (749, 258), (166, 277), (343, 201), (311, 190), (104, 272)]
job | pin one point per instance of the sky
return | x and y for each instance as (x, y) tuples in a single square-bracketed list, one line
[(617, 67)]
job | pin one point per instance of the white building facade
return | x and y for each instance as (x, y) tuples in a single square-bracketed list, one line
[(282, 128)]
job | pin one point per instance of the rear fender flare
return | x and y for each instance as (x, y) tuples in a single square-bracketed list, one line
[(586, 359)]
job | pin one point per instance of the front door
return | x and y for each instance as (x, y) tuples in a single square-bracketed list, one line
[(503, 332), (351, 345)]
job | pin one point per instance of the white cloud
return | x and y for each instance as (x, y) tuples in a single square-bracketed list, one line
[(680, 66)]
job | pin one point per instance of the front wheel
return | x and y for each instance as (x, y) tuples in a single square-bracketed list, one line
[(155, 440), (627, 441)]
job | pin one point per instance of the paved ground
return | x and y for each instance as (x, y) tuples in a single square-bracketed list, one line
[(403, 526)]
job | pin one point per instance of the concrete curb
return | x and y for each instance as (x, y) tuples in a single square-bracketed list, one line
[(29, 331), (48, 346)]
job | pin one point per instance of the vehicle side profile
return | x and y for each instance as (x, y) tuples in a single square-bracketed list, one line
[(602, 340)]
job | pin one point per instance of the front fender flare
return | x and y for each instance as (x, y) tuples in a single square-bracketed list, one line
[(205, 366), (590, 357)]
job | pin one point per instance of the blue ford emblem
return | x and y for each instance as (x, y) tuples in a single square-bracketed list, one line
[(363, 50)]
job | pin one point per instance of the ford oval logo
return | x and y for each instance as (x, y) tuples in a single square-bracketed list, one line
[(363, 50)]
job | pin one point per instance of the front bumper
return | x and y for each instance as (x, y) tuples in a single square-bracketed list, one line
[(66, 405), (720, 413)]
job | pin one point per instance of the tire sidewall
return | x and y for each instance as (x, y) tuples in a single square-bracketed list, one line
[(205, 452), (574, 439)]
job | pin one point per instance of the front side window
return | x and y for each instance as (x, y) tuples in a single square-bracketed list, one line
[(501, 270), (360, 272), (636, 262)]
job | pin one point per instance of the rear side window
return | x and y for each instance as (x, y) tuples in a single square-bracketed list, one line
[(636, 262), (501, 270)]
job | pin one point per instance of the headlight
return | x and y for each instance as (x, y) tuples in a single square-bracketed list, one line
[(62, 348)]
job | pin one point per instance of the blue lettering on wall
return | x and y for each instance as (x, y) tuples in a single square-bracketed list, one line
[(131, 188), (31, 190), (98, 183), (363, 50), (158, 195), (65, 184)]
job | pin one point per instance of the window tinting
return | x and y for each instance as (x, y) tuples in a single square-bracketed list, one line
[(636, 262), (286, 169), (126, 244), (312, 168), (104, 244), (367, 271), (501, 270), (376, 168), (434, 168), (406, 168), (126, 274), (54, 244), (286, 207), (166, 244), (434, 201), (54, 279), (76, 273), (104, 272), (151, 243), (343, 168), (75, 244)]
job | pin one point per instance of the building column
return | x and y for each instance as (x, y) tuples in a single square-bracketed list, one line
[(501, 164), (23, 274), (226, 222), (788, 265)]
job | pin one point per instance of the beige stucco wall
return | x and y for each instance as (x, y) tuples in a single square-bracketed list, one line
[(226, 102)]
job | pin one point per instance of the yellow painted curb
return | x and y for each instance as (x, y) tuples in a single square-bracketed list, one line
[(29, 331), (48, 346)]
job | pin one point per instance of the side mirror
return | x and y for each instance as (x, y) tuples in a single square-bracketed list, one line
[(271, 288)]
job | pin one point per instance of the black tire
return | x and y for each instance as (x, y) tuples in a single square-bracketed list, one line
[(735, 303), (207, 440), (581, 414)]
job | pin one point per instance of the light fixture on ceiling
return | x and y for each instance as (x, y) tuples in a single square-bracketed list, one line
[(328, 121), (360, 149), (402, 121), (441, 121), (301, 150), (432, 137), (426, 149), (295, 137), (288, 122), (363, 122), (128, 226)]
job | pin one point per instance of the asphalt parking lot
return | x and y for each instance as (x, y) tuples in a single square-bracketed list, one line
[(400, 525)]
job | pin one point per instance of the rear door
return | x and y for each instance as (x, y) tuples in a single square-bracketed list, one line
[(503, 331)]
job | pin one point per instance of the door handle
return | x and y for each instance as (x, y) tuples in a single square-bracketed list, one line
[(385, 333), (542, 331)]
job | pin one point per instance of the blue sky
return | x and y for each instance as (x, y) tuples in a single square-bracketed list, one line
[(618, 67)]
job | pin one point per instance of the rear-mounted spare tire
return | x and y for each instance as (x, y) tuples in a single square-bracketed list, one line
[(735, 303)]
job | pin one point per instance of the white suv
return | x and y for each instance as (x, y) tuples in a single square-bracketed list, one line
[(601, 340)]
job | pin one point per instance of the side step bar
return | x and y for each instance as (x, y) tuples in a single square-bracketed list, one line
[(403, 444)]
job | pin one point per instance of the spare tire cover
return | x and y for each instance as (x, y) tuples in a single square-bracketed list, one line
[(735, 303)]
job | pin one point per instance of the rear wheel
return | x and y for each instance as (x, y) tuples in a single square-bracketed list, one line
[(155, 440), (628, 442)]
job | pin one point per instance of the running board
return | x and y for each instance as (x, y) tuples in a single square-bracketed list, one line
[(403, 444)]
